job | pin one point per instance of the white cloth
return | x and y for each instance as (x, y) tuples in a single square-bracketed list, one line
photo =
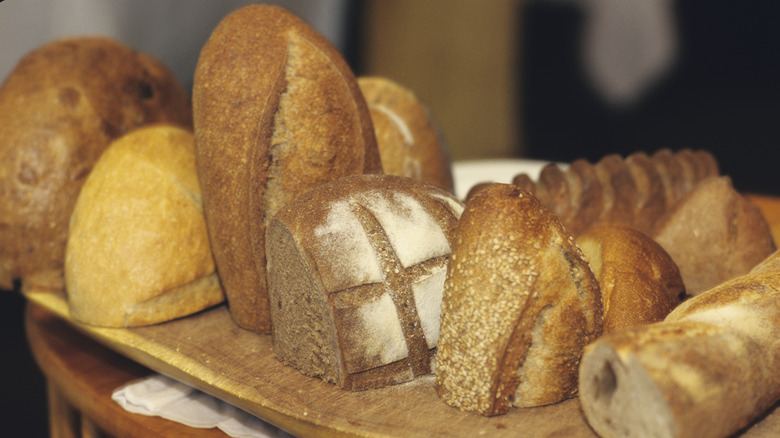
[(157, 395)]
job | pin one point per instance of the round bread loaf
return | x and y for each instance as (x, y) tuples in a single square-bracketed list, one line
[(639, 281), (277, 111), (60, 108), (138, 250), (410, 143), (356, 272), (520, 303)]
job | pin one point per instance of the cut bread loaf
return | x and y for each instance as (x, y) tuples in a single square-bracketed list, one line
[(640, 283), (410, 143), (714, 234), (277, 111), (138, 251), (61, 106), (519, 305), (356, 269), (708, 369)]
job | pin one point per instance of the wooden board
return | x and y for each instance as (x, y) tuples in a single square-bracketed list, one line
[(212, 354)]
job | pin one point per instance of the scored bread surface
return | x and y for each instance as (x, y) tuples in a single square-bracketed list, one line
[(277, 111), (356, 272)]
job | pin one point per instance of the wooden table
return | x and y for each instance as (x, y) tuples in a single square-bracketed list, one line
[(81, 375)]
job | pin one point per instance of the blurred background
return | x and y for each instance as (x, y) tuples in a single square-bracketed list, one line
[(537, 79)]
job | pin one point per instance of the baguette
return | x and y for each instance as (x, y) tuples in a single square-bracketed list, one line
[(277, 111), (708, 369), (519, 305)]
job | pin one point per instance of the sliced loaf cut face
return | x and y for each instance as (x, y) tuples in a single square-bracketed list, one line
[(520, 303), (356, 272)]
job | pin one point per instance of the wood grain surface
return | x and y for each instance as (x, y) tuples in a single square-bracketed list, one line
[(209, 352)]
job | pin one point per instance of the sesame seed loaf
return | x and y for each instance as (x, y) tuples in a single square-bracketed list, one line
[(277, 111), (61, 107), (410, 143), (639, 281), (356, 269), (708, 369), (519, 305)]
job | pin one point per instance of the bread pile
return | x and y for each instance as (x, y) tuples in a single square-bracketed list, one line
[(319, 206), (61, 106)]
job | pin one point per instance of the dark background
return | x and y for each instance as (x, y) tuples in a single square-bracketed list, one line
[(723, 94)]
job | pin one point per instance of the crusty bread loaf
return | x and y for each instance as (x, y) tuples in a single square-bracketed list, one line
[(519, 305), (714, 234), (138, 251), (634, 191), (277, 111), (356, 269), (639, 281), (707, 370), (410, 143), (60, 108)]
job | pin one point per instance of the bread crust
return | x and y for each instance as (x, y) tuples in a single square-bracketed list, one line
[(138, 252), (277, 111), (61, 106), (639, 282), (409, 140), (707, 370), (519, 305), (356, 272)]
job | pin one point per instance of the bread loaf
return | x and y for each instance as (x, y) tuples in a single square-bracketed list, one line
[(277, 111), (519, 305), (636, 191), (640, 283), (714, 234), (61, 106), (356, 269), (138, 251), (410, 143), (708, 369)]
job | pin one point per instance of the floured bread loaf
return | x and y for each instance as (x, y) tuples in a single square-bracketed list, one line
[(60, 108), (640, 283), (356, 269), (519, 305), (277, 111), (410, 143), (714, 234), (709, 369), (138, 251)]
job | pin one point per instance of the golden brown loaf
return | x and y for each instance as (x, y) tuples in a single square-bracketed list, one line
[(138, 251), (410, 143), (714, 234), (60, 108), (519, 305), (634, 191), (639, 281), (356, 270), (277, 111), (708, 369)]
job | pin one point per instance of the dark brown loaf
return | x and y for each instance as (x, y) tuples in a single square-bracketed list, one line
[(60, 108), (410, 143), (714, 234), (708, 369), (277, 111), (640, 283), (356, 270), (519, 305)]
